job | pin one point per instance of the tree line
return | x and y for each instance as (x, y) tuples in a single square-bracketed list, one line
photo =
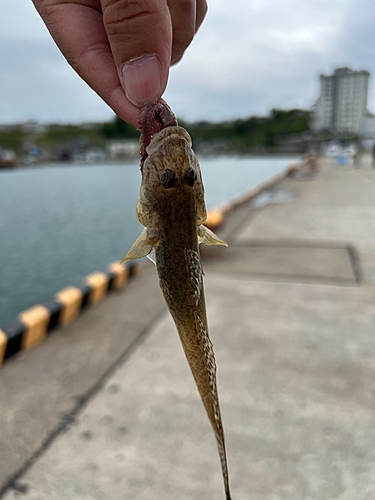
[(240, 135)]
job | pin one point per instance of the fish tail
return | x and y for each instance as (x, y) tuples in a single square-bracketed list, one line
[(212, 402), (224, 464), (201, 358)]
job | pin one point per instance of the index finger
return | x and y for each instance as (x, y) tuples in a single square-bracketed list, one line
[(78, 30)]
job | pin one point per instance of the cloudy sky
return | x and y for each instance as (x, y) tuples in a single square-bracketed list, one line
[(248, 57)]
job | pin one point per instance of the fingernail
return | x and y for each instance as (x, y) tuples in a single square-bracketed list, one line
[(141, 79)]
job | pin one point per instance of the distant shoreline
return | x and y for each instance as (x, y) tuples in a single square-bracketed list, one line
[(130, 162)]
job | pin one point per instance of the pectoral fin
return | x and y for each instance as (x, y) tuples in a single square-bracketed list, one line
[(152, 256), (207, 237), (142, 246)]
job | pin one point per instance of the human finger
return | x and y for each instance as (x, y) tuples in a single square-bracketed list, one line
[(201, 11), (140, 35), (183, 17), (78, 30)]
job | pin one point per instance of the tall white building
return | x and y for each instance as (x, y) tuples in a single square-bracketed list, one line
[(342, 104)]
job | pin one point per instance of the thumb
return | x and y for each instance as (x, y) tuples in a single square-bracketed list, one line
[(140, 36)]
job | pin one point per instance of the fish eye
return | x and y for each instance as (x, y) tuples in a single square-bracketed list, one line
[(168, 179), (191, 176)]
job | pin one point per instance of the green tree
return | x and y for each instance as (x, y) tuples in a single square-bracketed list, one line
[(117, 129)]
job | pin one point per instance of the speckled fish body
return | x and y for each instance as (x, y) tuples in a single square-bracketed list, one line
[(172, 209)]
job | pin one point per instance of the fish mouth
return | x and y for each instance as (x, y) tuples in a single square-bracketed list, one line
[(167, 134)]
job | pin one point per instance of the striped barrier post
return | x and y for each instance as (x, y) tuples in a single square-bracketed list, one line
[(36, 321), (33, 325), (3, 345), (70, 299)]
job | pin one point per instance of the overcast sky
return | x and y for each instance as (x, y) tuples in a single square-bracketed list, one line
[(248, 57)]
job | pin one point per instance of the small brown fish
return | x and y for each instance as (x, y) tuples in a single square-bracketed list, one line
[(171, 207)]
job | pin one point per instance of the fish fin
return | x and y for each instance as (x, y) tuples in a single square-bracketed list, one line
[(142, 246), (207, 237), (152, 256)]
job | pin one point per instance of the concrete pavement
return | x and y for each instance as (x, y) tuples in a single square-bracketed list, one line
[(107, 409)]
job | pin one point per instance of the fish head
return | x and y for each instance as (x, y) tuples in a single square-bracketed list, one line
[(171, 174)]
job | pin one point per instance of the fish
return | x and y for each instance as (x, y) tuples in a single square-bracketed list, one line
[(171, 207)]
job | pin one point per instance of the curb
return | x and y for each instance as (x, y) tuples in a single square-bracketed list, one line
[(33, 325), (216, 217)]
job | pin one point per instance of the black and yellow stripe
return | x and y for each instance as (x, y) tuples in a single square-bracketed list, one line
[(215, 219), (33, 325)]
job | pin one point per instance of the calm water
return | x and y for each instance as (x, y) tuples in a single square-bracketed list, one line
[(60, 223)]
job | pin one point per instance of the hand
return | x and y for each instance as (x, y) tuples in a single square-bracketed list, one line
[(123, 48)]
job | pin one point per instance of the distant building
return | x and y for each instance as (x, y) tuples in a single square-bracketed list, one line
[(342, 105), (122, 149), (368, 133)]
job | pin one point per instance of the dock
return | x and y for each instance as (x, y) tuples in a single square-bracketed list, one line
[(107, 409)]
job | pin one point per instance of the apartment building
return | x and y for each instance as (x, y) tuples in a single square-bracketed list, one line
[(342, 103)]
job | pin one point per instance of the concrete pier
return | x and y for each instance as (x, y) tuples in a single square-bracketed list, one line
[(107, 408)]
